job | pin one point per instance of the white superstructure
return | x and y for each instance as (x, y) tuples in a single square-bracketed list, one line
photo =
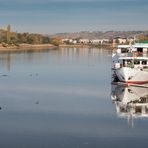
[(130, 63)]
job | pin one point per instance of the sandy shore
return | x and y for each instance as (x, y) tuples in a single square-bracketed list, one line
[(23, 47)]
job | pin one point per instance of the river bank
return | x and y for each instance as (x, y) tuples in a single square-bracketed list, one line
[(74, 46), (24, 47)]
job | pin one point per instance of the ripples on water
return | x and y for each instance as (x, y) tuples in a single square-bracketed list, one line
[(61, 98)]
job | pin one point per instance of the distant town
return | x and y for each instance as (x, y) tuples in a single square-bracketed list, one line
[(109, 38), (11, 39)]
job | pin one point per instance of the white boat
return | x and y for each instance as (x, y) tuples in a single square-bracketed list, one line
[(133, 70), (130, 63)]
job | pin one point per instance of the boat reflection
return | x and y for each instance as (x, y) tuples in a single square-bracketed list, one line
[(130, 102)]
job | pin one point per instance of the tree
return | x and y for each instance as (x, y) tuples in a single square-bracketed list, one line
[(56, 41), (143, 38), (8, 33), (46, 40)]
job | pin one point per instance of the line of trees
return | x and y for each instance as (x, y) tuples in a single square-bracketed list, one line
[(143, 38), (9, 37)]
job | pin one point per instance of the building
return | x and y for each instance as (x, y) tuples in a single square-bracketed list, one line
[(99, 41), (84, 41), (120, 40)]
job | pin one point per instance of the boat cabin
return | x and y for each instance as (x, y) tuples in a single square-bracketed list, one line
[(131, 55), (139, 62), (123, 49), (138, 47)]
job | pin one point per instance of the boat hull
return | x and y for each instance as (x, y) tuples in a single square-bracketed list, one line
[(132, 75)]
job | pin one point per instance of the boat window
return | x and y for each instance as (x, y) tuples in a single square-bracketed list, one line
[(144, 62), (139, 49), (138, 109), (129, 61), (123, 62), (136, 62), (145, 67), (124, 50)]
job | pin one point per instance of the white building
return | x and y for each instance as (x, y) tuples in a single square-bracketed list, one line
[(84, 41), (96, 41), (120, 40), (69, 41), (99, 41)]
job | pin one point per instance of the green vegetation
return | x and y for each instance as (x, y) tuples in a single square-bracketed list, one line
[(56, 41), (142, 38), (7, 37)]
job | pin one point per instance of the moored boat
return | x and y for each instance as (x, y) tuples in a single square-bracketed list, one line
[(133, 70), (131, 66)]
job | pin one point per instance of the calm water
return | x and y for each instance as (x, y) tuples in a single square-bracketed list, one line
[(61, 98)]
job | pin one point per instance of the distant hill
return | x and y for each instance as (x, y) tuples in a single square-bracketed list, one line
[(99, 34)]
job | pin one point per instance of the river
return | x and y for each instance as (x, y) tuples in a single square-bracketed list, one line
[(61, 98)]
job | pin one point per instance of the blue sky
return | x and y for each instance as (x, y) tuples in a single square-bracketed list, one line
[(54, 16)]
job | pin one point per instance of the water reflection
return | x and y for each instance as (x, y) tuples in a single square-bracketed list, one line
[(61, 98), (7, 59), (130, 102)]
